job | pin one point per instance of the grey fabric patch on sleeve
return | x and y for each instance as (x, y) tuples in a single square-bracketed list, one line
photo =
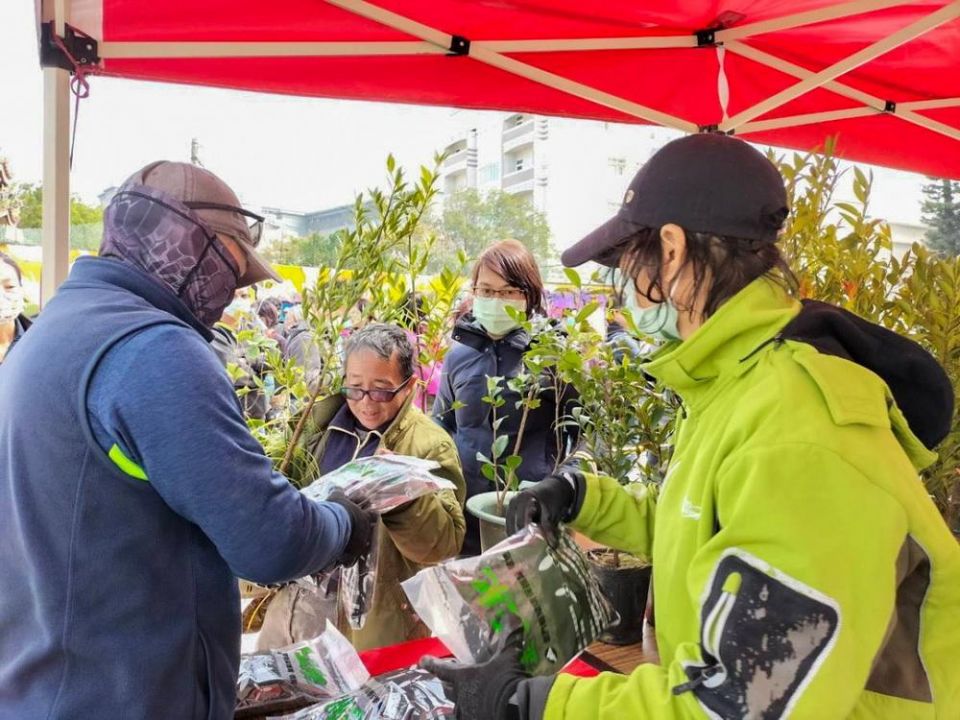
[(762, 639)]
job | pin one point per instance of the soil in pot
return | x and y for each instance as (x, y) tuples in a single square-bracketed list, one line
[(624, 580)]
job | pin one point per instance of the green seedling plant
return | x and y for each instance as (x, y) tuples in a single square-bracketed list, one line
[(499, 467)]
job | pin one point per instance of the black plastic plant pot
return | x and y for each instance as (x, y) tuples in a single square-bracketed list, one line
[(626, 589)]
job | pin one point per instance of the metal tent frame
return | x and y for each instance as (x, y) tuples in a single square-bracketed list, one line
[(54, 15)]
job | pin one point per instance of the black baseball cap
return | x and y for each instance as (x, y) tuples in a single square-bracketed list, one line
[(703, 183)]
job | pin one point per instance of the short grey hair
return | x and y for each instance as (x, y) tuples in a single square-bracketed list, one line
[(385, 340)]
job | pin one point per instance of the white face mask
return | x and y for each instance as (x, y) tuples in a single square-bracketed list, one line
[(11, 304), (492, 315)]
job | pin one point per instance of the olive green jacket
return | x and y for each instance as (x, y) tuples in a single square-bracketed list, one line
[(421, 533)]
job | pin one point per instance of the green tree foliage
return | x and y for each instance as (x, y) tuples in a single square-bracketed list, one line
[(86, 221), (315, 250), (30, 198), (843, 256), (379, 262), (470, 222), (941, 213)]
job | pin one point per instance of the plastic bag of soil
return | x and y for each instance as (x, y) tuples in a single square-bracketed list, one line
[(466, 603), (357, 584), (403, 695), (381, 483), (298, 675)]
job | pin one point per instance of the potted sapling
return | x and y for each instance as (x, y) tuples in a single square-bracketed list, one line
[(624, 425)]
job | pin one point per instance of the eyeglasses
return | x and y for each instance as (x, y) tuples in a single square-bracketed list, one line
[(254, 221), (509, 293), (380, 395)]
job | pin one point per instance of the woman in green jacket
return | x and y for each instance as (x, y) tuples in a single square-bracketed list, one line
[(801, 568), (375, 415)]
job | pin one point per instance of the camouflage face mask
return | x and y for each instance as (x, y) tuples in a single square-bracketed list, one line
[(159, 235)]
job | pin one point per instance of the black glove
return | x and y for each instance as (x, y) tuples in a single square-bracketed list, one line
[(483, 692), (362, 525), (553, 500)]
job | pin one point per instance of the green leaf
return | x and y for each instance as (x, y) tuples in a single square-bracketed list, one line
[(586, 311), (574, 277), (499, 446)]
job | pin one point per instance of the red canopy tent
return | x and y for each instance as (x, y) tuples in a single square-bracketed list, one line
[(883, 75)]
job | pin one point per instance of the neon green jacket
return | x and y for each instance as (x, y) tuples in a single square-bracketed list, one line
[(801, 569)]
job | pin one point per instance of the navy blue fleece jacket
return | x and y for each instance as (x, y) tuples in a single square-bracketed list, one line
[(119, 595)]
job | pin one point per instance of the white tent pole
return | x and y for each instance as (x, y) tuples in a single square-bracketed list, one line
[(656, 42), (395, 21), (177, 49), (928, 123), (912, 31), (807, 119), (150, 50), (147, 50), (55, 240), (904, 111), (784, 66), (514, 67), (929, 104), (786, 22)]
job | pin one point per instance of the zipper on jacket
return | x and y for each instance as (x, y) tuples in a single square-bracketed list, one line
[(702, 676), (712, 633)]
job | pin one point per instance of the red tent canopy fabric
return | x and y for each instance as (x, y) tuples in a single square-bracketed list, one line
[(883, 76)]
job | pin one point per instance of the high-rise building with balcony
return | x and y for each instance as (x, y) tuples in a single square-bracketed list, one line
[(574, 171)]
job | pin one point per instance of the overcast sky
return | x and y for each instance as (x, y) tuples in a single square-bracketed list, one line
[(298, 153)]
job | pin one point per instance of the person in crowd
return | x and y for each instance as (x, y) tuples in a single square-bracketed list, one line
[(488, 342), (235, 318), (13, 323), (374, 414), (413, 317), (268, 311), (301, 344), (239, 313), (132, 495), (801, 567)]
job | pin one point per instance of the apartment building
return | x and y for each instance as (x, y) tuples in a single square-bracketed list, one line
[(575, 171)]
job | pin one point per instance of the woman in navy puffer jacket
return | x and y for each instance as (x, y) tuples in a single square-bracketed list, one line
[(489, 343)]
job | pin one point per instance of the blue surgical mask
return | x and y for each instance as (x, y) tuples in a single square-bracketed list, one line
[(492, 315), (658, 321)]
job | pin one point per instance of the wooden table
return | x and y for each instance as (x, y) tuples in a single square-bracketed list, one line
[(623, 658)]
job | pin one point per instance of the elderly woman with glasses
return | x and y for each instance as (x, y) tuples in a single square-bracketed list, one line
[(374, 414), (489, 342)]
